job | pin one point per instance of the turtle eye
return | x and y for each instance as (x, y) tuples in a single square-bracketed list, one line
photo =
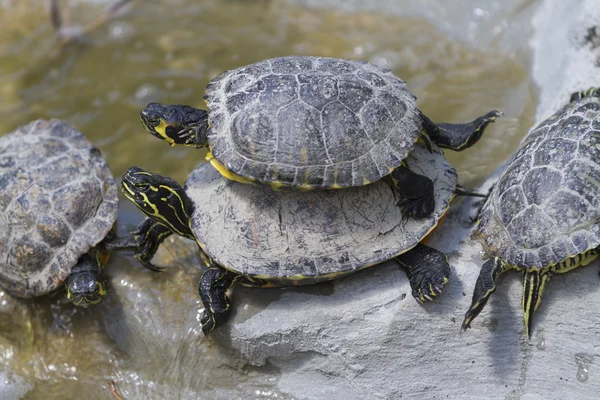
[(153, 121)]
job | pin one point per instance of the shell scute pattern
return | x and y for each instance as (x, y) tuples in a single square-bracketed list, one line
[(546, 207), (318, 90), (308, 140), (58, 199), (357, 121), (304, 237), (353, 93)]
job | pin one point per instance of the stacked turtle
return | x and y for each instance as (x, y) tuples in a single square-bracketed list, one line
[(302, 123), (349, 128)]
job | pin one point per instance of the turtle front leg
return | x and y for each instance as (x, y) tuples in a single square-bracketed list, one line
[(484, 287), (427, 270), (144, 242), (415, 191), (146, 239), (458, 137), (213, 285)]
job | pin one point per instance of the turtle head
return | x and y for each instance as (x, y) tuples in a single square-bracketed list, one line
[(159, 198), (177, 124), (85, 285)]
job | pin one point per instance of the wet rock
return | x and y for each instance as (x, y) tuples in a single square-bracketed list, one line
[(13, 386), (154, 320)]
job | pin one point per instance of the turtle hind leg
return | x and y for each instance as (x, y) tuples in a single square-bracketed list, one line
[(458, 136), (415, 192), (427, 270), (484, 287), (534, 283), (585, 93)]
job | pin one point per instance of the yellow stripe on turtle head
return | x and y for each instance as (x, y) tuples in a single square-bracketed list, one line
[(161, 129)]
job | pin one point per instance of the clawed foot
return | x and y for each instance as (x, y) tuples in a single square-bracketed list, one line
[(415, 192), (211, 320), (428, 271), (212, 288), (428, 285), (144, 242), (144, 253), (418, 208)]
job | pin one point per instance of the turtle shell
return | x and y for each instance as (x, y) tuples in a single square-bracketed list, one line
[(311, 122), (58, 198), (545, 207), (294, 237)]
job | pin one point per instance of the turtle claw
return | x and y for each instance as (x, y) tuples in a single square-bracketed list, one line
[(428, 271), (213, 285), (417, 208), (149, 265), (210, 320), (208, 323), (146, 239)]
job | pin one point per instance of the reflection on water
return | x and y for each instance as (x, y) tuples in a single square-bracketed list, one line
[(168, 51)]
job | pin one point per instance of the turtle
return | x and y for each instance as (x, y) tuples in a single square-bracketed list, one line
[(543, 214), (58, 202), (255, 236), (313, 122)]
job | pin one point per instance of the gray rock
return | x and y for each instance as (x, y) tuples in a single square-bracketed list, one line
[(13, 386)]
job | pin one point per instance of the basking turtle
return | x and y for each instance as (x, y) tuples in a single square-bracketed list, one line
[(542, 216), (58, 200), (259, 237), (313, 122)]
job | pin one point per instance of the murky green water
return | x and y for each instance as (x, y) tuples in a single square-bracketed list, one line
[(167, 51)]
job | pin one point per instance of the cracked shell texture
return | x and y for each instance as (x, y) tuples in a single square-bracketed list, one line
[(294, 237), (58, 198), (546, 205)]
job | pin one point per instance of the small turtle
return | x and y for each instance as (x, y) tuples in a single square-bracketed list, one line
[(313, 122), (542, 216), (259, 237), (58, 200)]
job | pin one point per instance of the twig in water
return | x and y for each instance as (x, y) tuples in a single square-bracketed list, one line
[(114, 391)]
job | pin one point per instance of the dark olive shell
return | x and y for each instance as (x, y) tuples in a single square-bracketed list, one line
[(311, 122)]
